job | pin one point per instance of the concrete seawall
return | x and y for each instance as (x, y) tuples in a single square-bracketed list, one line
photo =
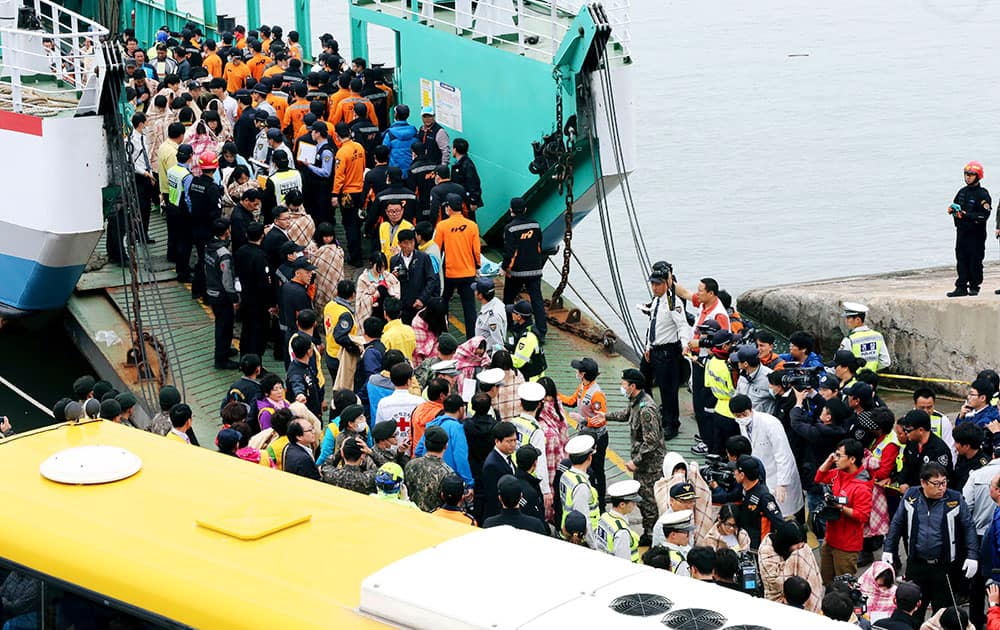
[(929, 334)]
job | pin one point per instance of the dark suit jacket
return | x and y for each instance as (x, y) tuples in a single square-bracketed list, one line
[(297, 461), (517, 520), (421, 283), (273, 241), (532, 500), (494, 467)]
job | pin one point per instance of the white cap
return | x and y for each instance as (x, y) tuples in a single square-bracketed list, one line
[(445, 367), (681, 519), (531, 392), (492, 376), (853, 308), (580, 445), (627, 490)]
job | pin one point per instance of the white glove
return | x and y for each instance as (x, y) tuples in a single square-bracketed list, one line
[(970, 567), (887, 558), (781, 493)]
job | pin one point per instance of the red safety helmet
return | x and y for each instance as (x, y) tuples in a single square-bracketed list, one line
[(210, 160), (974, 167)]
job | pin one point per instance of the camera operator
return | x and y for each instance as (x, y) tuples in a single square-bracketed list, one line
[(769, 444), (722, 479), (753, 380), (922, 446), (758, 511), (710, 308), (847, 504), (940, 533), (816, 439), (418, 282)]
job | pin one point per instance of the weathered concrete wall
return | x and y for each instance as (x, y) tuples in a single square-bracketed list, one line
[(928, 333)]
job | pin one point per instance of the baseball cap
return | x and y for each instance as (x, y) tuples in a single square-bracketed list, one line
[(383, 430), (427, 110), (483, 285), (302, 263), (586, 364), (435, 438), (521, 307)]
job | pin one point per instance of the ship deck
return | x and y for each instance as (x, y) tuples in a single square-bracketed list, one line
[(101, 301)]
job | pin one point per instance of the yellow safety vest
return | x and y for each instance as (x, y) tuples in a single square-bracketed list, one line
[(175, 184), (607, 526), (529, 356), (332, 313), (676, 559), (936, 424), (719, 380), (568, 483), (867, 344), (284, 183), (525, 428), (886, 441)]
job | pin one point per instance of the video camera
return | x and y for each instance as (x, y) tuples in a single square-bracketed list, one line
[(801, 378), (749, 576), (705, 333), (832, 504), (859, 599), (722, 473)]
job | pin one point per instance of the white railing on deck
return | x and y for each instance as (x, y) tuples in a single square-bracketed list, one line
[(535, 27), (58, 68)]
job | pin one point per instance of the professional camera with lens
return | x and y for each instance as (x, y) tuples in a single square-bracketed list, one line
[(401, 272), (859, 599), (749, 575), (722, 473), (832, 504), (801, 378), (705, 332)]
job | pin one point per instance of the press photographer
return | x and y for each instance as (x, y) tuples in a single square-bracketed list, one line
[(847, 504)]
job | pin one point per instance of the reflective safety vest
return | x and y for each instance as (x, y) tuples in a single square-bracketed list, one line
[(332, 313), (886, 441), (568, 483), (867, 344), (526, 427), (529, 356), (719, 380), (175, 185), (607, 526), (936, 423), (284, 183), (676, 559)]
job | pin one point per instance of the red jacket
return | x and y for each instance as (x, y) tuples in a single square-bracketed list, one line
[(993, 619), (848, 532)]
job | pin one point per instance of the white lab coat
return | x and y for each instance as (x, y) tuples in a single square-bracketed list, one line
[(769, 444)]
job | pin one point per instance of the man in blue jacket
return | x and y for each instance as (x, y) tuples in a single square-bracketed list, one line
[(399, 138), (940, 534), (457, 454)]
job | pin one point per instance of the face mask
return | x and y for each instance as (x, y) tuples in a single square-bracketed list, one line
[(393, 448), (624, 392), (743, 421)]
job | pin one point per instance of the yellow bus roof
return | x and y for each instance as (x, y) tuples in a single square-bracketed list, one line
[(138, 540)]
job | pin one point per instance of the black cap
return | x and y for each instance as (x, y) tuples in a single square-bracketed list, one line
[(509, 489), (352, 448), (83, 386), (454, 201), (484, 285), (59, 409), (435, 438), (657, 278), (127, 400), (575, 523), (452, 486), (634, 376), (228, 439), (518, 205), (351, 413), (169, 396), (110, 409), (908, 595), (184, 152), (916, 419), (101, 388), (749, 466), (275, 134), (302, 263), (861, 391), (260, 115), (586, 364), (290, 247), (521, 307), (383, 430)]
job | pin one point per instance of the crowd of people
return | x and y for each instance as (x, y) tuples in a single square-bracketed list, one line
[(251, 158)]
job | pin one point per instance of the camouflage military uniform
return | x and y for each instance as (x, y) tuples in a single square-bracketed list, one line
[(349, 477), (160, 424), (423, 477), (646, 432), (423, 371), (383, 455)]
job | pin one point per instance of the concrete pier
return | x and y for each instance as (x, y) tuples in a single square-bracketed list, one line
[(929, 334)]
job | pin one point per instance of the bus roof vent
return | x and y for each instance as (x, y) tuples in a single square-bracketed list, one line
[(641, 604), (694, 619), (253, 526), (87, 465)]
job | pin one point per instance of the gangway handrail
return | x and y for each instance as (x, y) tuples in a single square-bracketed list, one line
[(70, 62)]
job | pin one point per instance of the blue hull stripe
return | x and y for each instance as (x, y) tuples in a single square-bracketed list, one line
[(30, 286)]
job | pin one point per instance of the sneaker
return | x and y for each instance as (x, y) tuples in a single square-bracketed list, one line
[(957, 293), (699, 449), (697, 437), (974, 291)]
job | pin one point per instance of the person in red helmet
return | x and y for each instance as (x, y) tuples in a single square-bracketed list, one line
[(206, 206), (970, 211)]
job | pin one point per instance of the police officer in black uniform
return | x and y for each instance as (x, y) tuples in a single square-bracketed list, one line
[(758, 505), (970, 211), (922, 447), (206, 207), (522, 262), (220, 290)]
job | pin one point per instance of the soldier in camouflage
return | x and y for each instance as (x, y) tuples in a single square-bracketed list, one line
[(387, 447), (646, 430), (353, 475), (425, 474)]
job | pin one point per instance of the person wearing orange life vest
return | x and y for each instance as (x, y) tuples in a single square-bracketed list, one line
[(458, 238), (348, 182), (592, 404), (345, 108)]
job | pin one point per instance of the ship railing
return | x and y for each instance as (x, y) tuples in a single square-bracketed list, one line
[(51, 60), (536, 28)]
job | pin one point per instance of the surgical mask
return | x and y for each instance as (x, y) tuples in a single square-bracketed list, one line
[(393, 448), (743, 421), (624, 392)]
